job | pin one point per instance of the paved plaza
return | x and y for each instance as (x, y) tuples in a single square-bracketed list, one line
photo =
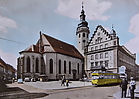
[(76, 90), (52, 85)]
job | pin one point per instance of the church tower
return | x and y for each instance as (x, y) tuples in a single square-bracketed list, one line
[(82, 32)]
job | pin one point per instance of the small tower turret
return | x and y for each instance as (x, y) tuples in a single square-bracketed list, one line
[(113, 33), (82, 32)]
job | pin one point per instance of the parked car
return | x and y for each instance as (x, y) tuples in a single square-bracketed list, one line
[(27, 79), (20, 81)]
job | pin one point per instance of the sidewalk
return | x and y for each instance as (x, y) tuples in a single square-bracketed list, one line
[(118, 94)]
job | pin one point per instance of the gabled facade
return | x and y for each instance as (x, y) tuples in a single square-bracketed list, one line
[(102, 50)]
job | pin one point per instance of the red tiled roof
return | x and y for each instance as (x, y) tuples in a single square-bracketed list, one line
[(62, 47), (57, 45), (11, 68), (32, 48), (2, 63)]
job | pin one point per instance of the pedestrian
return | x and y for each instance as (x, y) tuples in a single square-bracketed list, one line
[(132, 87), (123, 85), (67, 82), (63, 81), (13, 80)]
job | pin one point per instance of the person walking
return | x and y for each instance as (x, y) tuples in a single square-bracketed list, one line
[(63, 81), (132, 87), (67, 82), (123, 86)]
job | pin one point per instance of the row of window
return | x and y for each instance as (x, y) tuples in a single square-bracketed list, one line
[(105, 77), (28, 65), (83, 42), (99, 56), (83, 35), (65, 67), (100, 63), (99, 47), (50, 65), (98, 40)]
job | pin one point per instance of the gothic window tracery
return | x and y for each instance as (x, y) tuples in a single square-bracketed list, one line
[(37, 65), (28, 64), (65, 67), (69, 67), (51, 66), (78, 68)]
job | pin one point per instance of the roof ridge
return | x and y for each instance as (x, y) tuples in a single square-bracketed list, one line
[(57, 39)]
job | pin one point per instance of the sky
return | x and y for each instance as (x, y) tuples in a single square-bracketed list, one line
[(22, 20)]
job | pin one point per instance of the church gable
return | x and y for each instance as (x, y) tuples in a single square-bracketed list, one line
[(100, 35), (61, 47), (46, 45)]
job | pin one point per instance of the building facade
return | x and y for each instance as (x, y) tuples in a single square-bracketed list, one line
[(7, 72), (50, 58), (102, 51)]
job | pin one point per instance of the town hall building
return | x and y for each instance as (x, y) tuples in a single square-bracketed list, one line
[(102, 51)]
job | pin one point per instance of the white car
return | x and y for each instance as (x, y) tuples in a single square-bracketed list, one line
[(27, 80)]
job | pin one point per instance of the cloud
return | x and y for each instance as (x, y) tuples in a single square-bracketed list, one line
[(8, 58), (136, 2), (6, 23), (134, 29), (94, 9)]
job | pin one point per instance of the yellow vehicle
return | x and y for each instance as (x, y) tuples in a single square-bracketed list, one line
[(105, 78)]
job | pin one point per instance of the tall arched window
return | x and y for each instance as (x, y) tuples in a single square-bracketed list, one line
[(78, 68), (37, 65), (51, 66), (28, 64), (69, 67), (59, 66), (65, 67)]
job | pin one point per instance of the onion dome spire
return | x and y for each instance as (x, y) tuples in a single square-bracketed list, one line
[(82, 16)]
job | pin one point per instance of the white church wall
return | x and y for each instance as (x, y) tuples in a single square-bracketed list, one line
[(56, 57)]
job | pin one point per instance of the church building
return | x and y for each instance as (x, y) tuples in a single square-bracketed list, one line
[(50, 59)]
